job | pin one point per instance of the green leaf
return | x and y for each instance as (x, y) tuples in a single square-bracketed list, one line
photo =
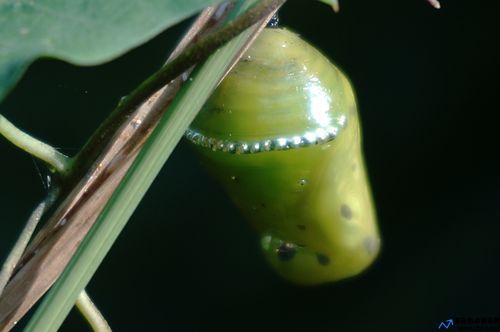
[(83, 32)]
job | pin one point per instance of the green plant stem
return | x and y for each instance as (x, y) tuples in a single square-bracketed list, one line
[(185, 60), (22, 241), (91, 313), (56, 160), (196, 52)]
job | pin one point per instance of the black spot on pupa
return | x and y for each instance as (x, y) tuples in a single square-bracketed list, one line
[(286, 252), (371, 244), (345, 211), (323, 259), (301, 227), (262, 205)]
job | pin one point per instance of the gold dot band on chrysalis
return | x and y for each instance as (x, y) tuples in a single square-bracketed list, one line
[(320, 135)]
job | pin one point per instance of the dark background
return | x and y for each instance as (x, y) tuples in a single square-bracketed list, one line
[(427, 86)]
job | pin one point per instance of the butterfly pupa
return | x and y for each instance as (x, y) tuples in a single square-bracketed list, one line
[(281, 134)]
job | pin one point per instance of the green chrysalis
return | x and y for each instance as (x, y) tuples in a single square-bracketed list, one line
[(281, 134)]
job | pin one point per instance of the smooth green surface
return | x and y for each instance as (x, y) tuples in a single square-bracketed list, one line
[(84, 32), (312, 205), (59, 300)]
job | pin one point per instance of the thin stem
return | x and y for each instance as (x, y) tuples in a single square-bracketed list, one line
[(13, 258), (91, 313), (55, 159), (188, 58), (197, 52)]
